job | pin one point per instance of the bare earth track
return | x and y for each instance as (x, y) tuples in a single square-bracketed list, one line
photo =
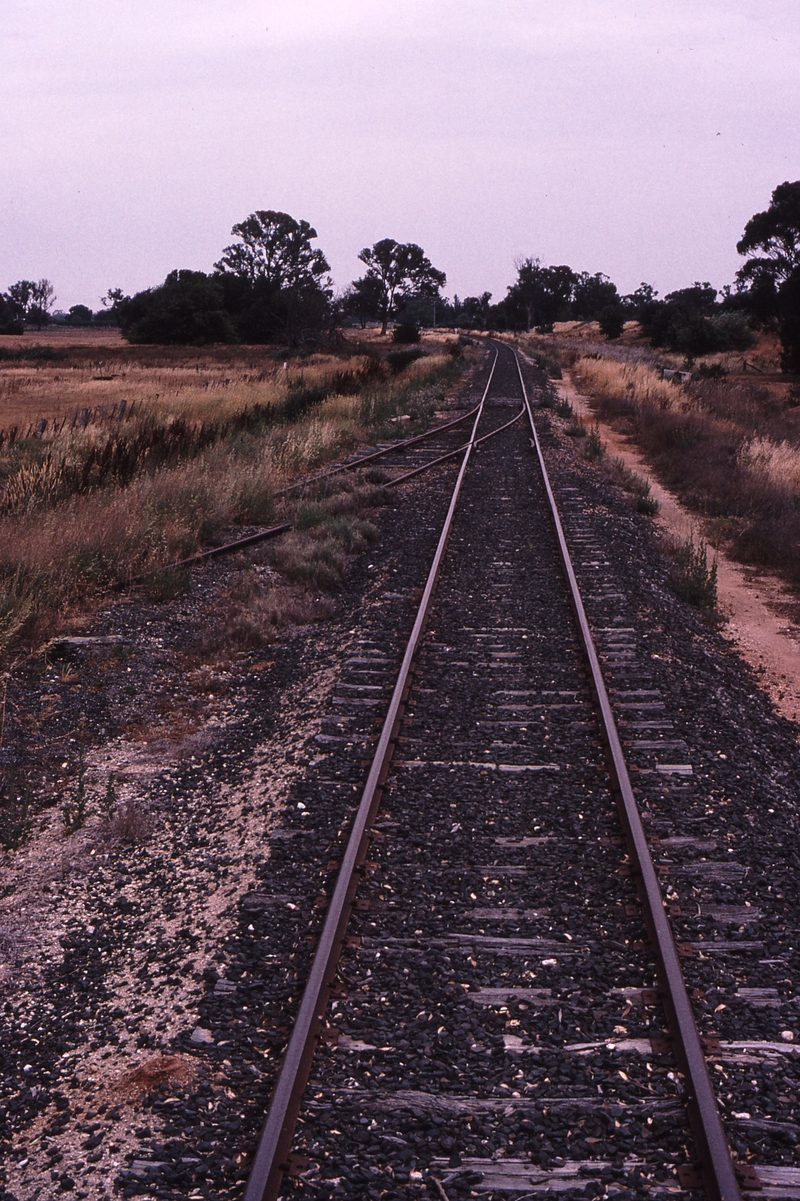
[(493, 1026)]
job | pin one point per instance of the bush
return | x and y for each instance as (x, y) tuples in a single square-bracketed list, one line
[(406, 333), (398, 360), (593, 447), (612, 321), (187, 309), (693, 579)]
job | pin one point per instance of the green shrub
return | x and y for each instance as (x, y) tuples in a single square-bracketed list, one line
[(406, 333), (593, 447), (398, 360), (693, 579)]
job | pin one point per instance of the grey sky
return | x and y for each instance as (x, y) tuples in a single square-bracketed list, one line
[(633, 137)]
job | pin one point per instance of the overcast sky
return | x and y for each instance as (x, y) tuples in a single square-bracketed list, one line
[(633, 137)]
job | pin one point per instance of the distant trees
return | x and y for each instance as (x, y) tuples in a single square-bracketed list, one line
[(27, 301), (188, 308), (690, 320), (79, 314), (541, 295), (473, 312), (592, 295), (271, 286), (397, 271)]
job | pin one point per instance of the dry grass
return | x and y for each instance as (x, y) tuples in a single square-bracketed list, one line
[(640, 383), (776, 464), (729, 447), (84, 508)]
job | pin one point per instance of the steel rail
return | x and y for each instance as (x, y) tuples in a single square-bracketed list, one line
[(213, 553), (377, 454), (269, 1164), (276, 530), (408, 475), (719, 1175)]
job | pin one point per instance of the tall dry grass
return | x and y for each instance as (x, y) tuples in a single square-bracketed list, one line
[(729, 448), (776, 464), (60, 542), (641, 383)]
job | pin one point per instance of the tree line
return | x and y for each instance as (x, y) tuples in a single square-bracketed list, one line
[(273, 285)]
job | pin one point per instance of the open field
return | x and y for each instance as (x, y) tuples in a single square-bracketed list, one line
[(117, 459)]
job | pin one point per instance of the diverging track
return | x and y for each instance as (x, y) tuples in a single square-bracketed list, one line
[(498, 1022)]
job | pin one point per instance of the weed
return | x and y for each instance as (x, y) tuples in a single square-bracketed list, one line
[(15, 824), (130, 823), (563, 408), (168, 583), (308, 517), (693, 580), (633, 483), (406, 332), (109, 801), (711, 371), (647, 505), (398, 360), (576, 428), (376, 475), (148, 479), (552, 368), (594, 447), (75, 811)]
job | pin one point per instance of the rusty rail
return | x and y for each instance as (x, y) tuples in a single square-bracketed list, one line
[(719, 1175), (276, 1138), (276, 530), (396, 447)]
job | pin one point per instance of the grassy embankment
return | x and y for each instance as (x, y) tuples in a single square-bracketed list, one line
[(728, 446), (202, 441)]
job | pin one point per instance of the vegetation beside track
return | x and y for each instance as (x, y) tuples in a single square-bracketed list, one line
[(725, 441), (178, 451)]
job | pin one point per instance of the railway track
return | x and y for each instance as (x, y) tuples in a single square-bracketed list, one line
[(485, 1013), (497, 1026)]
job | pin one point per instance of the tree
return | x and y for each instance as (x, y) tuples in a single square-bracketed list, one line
[(541, 295), (109, 315), (187, 309), (591, 294), (363, 300), (772, 238), (32, 301), (275, 282), (612, 320), (10, 320), (399, 270), (789, 322), (43, 297), (79, 314), (274, 247)]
